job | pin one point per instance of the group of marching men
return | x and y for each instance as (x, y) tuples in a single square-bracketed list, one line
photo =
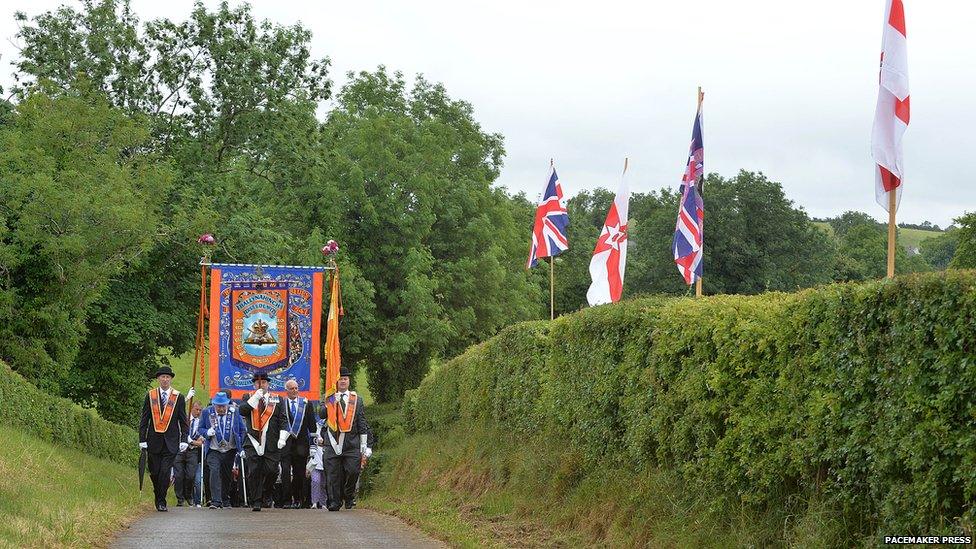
[(264, 434)]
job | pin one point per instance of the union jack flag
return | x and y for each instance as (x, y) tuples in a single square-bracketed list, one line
[(688, 232), (551, 220)]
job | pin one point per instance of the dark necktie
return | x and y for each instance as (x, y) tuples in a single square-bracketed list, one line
[(294, 410), (342, 402), (261, 406)]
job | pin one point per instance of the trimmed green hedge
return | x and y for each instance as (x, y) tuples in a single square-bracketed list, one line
[(862, 395), (27, 408)]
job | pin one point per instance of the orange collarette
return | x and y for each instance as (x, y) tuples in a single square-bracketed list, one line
[(161, 421), (337, 420), (259, 420)]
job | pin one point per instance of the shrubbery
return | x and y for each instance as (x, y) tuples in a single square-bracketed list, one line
[(857, 395), (26, 408)]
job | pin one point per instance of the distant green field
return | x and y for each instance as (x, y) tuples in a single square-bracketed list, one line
[(909, 238)]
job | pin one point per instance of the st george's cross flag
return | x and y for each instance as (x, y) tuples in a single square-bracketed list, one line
[(551, 221), (688, 242), (891, 115), (610, 255)]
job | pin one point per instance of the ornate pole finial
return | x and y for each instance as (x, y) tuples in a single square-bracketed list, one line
[(329, 251), (208, 241)]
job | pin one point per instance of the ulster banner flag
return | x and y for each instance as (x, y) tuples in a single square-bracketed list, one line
[(891, 116), (610, 255)]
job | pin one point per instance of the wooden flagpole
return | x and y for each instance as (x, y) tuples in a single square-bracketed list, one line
[(198, 344), (891, 231), (698, 283), (552, 288)]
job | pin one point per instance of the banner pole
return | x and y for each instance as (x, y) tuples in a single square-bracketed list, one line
[(891, 232), (199, 339)]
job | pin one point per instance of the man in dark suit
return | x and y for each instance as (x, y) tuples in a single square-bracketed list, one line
[(163, 431), (186, 475), (346, 434), (300, 419), (266, 436)]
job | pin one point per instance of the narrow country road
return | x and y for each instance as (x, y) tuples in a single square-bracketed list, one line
[(189, 527)]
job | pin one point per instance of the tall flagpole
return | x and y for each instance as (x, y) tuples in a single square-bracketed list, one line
[(698, 283), (892, 196), (552, 271), (552, 288)]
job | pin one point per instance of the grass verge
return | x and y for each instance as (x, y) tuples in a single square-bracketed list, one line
[(51, 496), (479, 487)]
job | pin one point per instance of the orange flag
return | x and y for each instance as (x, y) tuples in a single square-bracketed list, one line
[(332, 356)]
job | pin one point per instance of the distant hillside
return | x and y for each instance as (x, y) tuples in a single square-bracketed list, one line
[(909, 238)]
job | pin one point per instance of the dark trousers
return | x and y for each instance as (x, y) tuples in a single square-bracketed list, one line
[(342, 472), (220, 466), (185, 474), (293, 474), (262, 472), (160, 466)]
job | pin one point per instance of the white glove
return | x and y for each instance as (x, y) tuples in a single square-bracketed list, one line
[(368, 452), (320, 441), (362, 442), (253, 401), (190, 393), (183, 446), (282, 438), (143, 445), (311, 450), (241, 454), (211, 432)]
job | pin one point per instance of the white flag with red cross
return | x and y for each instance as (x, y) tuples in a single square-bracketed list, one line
[(891, 116)]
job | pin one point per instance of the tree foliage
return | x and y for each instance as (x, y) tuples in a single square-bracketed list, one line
[(965, 252), (78, 204), (126, 139)]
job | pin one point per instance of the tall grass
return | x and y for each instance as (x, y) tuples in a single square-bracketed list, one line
[(51, 496)]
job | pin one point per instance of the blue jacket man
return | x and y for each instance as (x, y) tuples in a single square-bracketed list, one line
[(224, 430)]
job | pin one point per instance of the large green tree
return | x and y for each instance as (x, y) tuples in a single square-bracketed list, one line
[(438, 247), (938, 251), (229, 103), (965, 253), (79, 202)]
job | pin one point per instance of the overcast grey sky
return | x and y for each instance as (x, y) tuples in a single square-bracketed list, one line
[(790, 86)]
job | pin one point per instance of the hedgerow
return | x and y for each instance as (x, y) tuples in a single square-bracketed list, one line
[(859, 395), (60, 421)]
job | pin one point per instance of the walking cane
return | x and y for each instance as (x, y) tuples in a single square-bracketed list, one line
[(244, 480), (201, 466)]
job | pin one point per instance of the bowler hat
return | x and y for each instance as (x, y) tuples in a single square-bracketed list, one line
[(259, 375), (165, 370), (220, 399), (344, 372)]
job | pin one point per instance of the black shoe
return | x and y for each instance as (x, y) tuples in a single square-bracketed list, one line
[(350, 504), (163, 507), (256, 508), (214, 506), (179, 503), (334, 508)]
